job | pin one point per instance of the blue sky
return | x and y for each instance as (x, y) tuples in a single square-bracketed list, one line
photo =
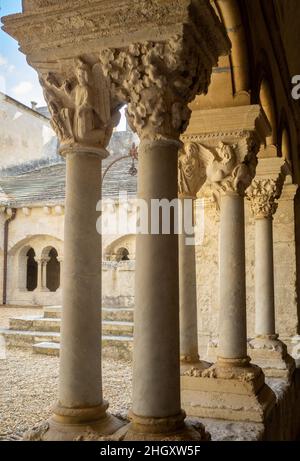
[(17, 78)]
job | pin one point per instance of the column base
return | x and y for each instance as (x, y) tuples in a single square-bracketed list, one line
[(82, 424), (230, 389), (269, 353), (161, 429), (212, 350), (188, 363)]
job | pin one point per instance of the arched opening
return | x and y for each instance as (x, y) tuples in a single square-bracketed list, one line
[(122, 254), (32, 270), (53, 271)]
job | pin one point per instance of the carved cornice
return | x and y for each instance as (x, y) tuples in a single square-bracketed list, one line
[(63, 29)]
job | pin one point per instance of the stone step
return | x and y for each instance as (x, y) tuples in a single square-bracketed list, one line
[(124, 314), (52, 325), (35, 323), (118, 314), (112, 327), (46, 348), (25, 339), (52, 312), (114, 347)]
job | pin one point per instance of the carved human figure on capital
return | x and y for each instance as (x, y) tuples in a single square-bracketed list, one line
[(191, 176), (81, 106)]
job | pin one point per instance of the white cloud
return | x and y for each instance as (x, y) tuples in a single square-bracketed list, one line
[(11, 68), (22, 89), (3, 61)]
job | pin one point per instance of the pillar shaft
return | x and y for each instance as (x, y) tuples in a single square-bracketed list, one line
[(187, 298), (233, 335), (156, 377), (40, 275), (80, 362), (264, 277)]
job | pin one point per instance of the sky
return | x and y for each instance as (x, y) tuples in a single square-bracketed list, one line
[(17, 78)]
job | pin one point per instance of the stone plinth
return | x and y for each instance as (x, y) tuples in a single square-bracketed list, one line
[(234, 393), (271, 355)]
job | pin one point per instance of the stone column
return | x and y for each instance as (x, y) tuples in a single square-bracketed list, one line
[(266, 349), (60, 259), (80, 410), (157, 110), (39, 262), (229, 160), (44, 274), (191, 179)]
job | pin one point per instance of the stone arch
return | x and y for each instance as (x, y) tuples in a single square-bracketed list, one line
[(285, 147), (40, 243), (31, 270), (52, 270), (122, 254), (25, 266), (230, 82), (267, 101), (122, 247)]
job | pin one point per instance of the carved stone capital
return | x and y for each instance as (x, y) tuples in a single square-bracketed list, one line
[(262, 195), (266, 188), (158, 79), (79, 101), (228, 141)]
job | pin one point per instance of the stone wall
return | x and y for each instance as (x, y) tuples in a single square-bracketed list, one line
[(25, 135)]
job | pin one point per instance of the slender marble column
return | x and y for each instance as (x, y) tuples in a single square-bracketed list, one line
[(233, 337), (44, 274), (264, 278), (61, 271), (156, 377), (80, 383), (39, 273), (188, 301)]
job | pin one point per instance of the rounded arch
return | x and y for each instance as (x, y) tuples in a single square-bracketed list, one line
[(267, 102), (285, 145), (230, 81), (27, 268), (52, 268), (38, 242), (121, 249), (19, 258)]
